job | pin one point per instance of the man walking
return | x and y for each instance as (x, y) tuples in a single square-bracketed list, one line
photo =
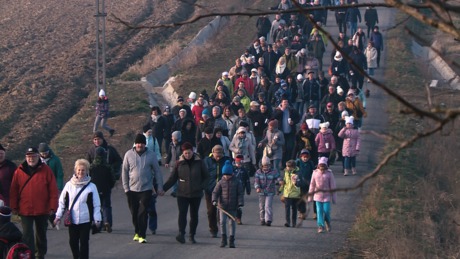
[(34, 196), (140, 168)]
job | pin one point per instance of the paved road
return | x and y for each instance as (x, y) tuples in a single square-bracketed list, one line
[(252, 240)]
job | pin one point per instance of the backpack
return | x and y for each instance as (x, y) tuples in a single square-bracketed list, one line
[(16, 251)]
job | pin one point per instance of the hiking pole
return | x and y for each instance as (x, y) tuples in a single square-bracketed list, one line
[(226, 212)]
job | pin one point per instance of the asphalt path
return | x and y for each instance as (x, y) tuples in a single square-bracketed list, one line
[(252, 240)]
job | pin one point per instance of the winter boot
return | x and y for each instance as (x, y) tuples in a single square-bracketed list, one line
[(346, 172), (353, 169), (224, 241), (180, 238), (192, 240), (232, 242)]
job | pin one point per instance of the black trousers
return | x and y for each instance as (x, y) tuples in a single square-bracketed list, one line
[(37, 242), (183, 204), (138, 203), (79, 240), (212, 214)]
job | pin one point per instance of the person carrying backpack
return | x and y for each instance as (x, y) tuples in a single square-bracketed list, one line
[(11, 237)]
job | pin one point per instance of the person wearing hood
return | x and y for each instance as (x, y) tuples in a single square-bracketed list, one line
[(322, 181), (228, 194), (351, 145), (339, 68), (102, 113), (52, 160), (281, 69), (198, 108), (140, 170), (113, 157), (215, 164), (102, 177), (290, 193), (242, 145), (9, 233), (188, 132), (192, 177), (81, 197), (325, 140), (42, 192), (222, 140), (7, 168)]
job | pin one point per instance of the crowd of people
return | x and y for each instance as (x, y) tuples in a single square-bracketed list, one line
[(274, 123)]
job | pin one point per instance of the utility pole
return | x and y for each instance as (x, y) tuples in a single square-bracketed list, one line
[(100, 45)]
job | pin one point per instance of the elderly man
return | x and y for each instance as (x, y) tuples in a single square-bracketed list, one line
[(140, 169), (34, 183), (214, 163)]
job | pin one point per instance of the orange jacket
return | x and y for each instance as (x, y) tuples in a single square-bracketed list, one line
[(39, 196)]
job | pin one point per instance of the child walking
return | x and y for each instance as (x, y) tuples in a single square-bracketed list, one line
[(228, 193), (291, 193), (306, 167), (323, 180), (265, 180), (241, 174)]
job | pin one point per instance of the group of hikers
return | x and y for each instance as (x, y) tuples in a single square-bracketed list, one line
[(274, 123)]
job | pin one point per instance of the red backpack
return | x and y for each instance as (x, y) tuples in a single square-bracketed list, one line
[(16, 251)]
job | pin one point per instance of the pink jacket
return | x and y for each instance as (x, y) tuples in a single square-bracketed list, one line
[(325, 137), (351, 142), (322, 181)]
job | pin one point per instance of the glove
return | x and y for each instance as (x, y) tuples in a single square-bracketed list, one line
[(214, 203)]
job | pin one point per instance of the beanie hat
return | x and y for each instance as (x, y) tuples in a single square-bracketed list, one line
[(351, 92), (324, 125), (5, 214), (225, 73), (239, 159), (322, 160), (349, 119), (304, 126), (243, 124), (205, 112), (180, 99), (236, 99), (140, 138), (217, 149), (100, 151), (43, 147), (183, 110), (339, 90), (192, 95), (186, 146), (273, 123), (177, 135), (344, 113), (102, 93), (146, 128), (98, 134), (265, 160), (227, 169), (304, 152), (2, 148), (299, 77)]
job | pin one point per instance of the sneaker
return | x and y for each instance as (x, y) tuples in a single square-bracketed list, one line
[(287, 225), (262, 223), (269, 223), (136, 237), (320, 230), (112, 131), (107, 227), (328, 226), (142, 240)]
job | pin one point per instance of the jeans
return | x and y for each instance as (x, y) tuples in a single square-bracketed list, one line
[(299, 107), (40, 244), (212, 214), (323, 212), (79, 240), (106, 206), (98, 121), (183, 204), (353, 28), (290, 204), (266, 208), (138, 203), (223, 223), (276, 165), (152, 213), (349, 162)]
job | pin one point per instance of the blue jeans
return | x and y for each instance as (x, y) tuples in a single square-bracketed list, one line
[(98, 121), (276, 165), (323, 210), (299, 107), (349, 162), (152, 212), (353, 28), (106, 206), (223, 223)]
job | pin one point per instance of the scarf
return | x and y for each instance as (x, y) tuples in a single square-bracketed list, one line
[(80, 182), (280, 68), (155, 118)]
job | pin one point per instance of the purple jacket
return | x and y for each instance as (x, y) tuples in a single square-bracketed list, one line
[(325, 137), (322, 181), (266, 181), (351, 142)]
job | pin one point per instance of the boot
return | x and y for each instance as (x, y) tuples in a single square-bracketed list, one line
[(232, 242), (353, 169), (192, 240), (180, 238), (346, 172), (224, 241)]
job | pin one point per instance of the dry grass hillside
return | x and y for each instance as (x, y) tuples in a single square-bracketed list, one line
[(47, 59)]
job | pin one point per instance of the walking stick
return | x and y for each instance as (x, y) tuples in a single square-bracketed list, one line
[(228, 214)]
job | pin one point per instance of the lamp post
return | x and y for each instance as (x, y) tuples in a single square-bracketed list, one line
[(100, 45)]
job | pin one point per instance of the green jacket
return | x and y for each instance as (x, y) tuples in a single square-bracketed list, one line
[(56, 166)]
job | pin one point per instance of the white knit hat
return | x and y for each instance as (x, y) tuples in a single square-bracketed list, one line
[(192, 95), (324, 125), (265, 160), (102, 93), (349, 119), (344, 113)]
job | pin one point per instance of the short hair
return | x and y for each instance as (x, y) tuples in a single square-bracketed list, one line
[(82, 162)]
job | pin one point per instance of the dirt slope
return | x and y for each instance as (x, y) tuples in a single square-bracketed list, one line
[(47, 59)]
